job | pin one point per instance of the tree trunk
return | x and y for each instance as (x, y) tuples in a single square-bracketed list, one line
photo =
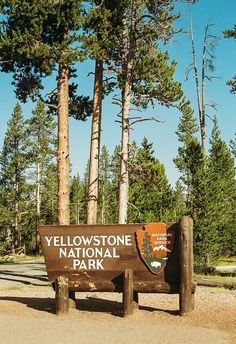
[(38, 206), (124, 174), (126, 99), (203, 119), (103, 218), (16, 242), (200, 95), (78, 213), (199, 103), (95, 145), (63, 159)]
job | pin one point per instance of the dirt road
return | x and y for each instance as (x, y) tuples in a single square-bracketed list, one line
[(27, 315), (21, 274)]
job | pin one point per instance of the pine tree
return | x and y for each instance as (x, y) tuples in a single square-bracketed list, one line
[(42, 141), (13, 161), (223, 191), (150, 194), (178, 202), (104, 205), (115, 173), (49, 192), (189, 154), (98, 40), (231, 34), (144, 76), (233, 146), (37, 38), (147, 247), (78, 200)]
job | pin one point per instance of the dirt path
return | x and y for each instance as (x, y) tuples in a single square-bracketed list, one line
[(27, 315), (24, 273)]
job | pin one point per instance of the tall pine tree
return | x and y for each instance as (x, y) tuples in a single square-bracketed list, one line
[(42, 143), (37, 38), (13, 162), (150, 197)]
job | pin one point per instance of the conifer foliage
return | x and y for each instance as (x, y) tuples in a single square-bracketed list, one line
[(13, 187)]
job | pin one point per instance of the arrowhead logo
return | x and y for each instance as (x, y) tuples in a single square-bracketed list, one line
[(155, 245)]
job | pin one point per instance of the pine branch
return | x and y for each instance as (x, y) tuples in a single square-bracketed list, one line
[(146, 119)]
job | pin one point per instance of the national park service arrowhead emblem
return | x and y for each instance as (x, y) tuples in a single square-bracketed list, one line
[(155, 245)]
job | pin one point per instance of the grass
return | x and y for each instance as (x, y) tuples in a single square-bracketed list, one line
[(224, 261), (230, 279)]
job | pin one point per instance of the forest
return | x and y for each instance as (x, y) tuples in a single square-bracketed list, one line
[(125, 39)]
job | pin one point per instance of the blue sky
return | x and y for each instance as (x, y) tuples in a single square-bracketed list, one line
[(221, 13)]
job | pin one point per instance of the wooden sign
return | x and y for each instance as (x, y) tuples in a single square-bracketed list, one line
[(98, 257), (102, 252)]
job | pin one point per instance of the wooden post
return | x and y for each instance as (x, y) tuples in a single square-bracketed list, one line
[(62, 295), (128, 292), (186, 264)]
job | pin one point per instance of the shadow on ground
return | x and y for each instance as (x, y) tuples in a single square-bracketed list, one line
[(90, 304)]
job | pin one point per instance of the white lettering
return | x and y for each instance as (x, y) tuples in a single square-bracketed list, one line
[(96, 240), (56, 240), (128, 240), (114, 253), (99, 264), (63, 252), (91, 264), (98, 252), (48, 240), (107, 253), (77, 241), (76, 263), (87, 240), (111, 240)]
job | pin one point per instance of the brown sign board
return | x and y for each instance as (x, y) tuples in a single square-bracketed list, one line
[(94, 257)]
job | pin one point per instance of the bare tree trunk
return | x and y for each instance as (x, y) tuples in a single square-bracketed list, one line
[(196, 73), (103, 217), (95, 145), (38, 206), (124, 173), (126, 98), (63, 147), (17, 233), (78, 213), (203, 122), (200, 95)]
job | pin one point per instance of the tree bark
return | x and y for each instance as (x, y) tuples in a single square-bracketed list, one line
[(186, 298), (38, 206), (200, 95), (203, 119), (126, 98), (63, 159), (95, 145), (124, 174), (17, 239)]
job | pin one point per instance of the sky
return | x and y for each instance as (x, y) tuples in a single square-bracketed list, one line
[(221, 13)]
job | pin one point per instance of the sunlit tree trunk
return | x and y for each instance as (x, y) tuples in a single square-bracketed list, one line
[(95, 145), (126, 99), (63, 147), (38, 206)]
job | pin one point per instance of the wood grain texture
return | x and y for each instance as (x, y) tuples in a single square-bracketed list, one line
[(62, 295), (113, 268), (128, 292), (186, 302)]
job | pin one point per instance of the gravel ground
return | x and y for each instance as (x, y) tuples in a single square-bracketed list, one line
[(27, 315)]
